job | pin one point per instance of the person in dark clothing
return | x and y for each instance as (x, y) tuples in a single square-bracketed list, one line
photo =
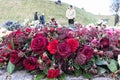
[(58, 2), (35, 16), (116, 19), (42, 19)]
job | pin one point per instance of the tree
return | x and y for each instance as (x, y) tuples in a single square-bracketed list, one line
[(115, 6)]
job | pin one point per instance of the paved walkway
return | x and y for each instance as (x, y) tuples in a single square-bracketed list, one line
[(23, 75)]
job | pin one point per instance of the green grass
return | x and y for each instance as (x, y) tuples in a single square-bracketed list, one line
[(110, 17), (18, 10)]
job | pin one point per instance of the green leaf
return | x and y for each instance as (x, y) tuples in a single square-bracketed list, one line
[(87, 75), (118, 76), (62, 77), (101, 62), (76, 66), (51, 79), (113, 65), (12, 43), (45, 71), (101, 70), (40, 76), (10, 67), (78, 72)]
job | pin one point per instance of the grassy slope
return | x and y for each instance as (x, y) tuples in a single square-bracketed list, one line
[(21, 9), (110, 17)]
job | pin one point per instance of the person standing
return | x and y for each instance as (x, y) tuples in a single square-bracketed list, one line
[(116, 19), (70, 14), (36, 16), (58, 2), (42, 19)]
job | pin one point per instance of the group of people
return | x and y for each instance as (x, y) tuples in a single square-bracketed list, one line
[(70, 15), (41, 18)]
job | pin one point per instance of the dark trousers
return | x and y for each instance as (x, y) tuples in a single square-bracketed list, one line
[(71, 21)]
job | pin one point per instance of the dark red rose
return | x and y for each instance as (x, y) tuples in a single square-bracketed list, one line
[(1, 60), (5, 55), (53, 73), (39, 34), (28, 30), (45, 29), (9, 45), (70, 34), (19, 39), (52, 30), (44, 56), (31, 63), (104, 42), (62, 36), (64, 49), (74, 44), (80, 59), (109, 54), (14, 58), (88, 52), (4, 52), (52, 46), (39, 44)]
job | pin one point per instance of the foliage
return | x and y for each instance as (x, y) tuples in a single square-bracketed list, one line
[(115, 6)]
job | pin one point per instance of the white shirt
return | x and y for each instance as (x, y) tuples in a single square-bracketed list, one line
[(70, 13)]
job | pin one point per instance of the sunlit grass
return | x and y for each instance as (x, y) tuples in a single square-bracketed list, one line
[(18, 10)]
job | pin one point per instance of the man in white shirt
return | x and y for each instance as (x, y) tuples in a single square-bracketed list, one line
[(70, 14)]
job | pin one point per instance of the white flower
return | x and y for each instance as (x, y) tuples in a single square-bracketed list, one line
[(119, 60)]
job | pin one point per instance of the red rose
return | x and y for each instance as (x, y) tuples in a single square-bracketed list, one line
[(1, 60), (31, 63), (52, 30), (74, 44), (70, 34), (9, 45), (39, 34), (88, 52), (53, 73), (104, 42), (52, 46), (80, 59), (64, 50), (14, 58), (19, 38), (28, 30), (39, 44)]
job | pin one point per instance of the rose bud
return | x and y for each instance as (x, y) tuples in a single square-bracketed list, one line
[(101, 53), (40, 61), (48, 62), (44, 56), (109, 54), (93, 71), (95, 51), (94, 66), (71, 68), (5, 55), (1, 60)]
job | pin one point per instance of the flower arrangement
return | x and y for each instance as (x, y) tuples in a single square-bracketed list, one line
[(53, 52)]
